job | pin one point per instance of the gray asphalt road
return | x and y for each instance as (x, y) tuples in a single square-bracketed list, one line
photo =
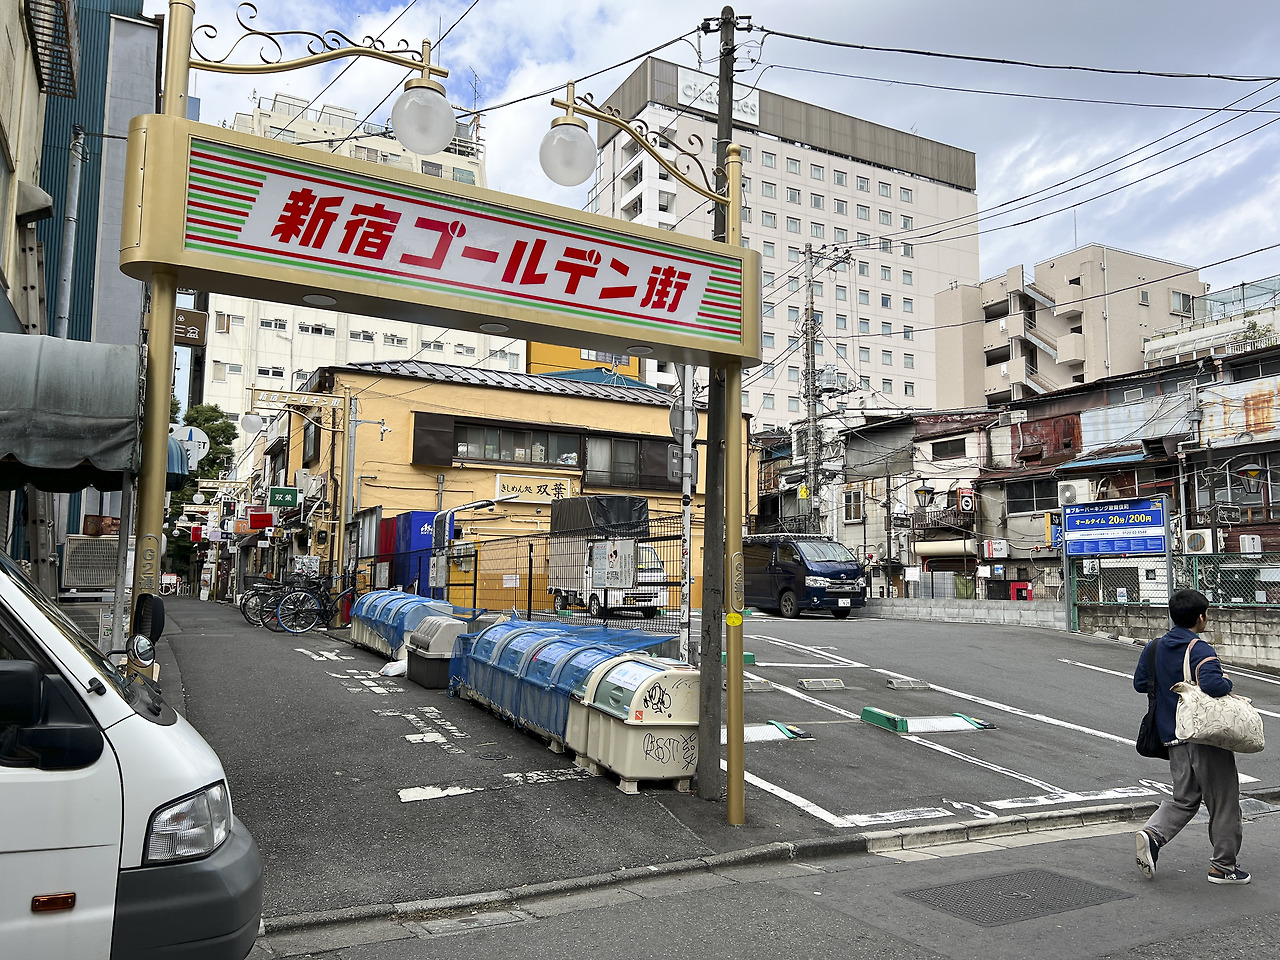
[(366, 790)]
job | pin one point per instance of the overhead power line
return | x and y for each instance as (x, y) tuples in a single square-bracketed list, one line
[(1003, 61)]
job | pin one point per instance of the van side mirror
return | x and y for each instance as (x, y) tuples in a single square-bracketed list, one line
[(148, 617), (21, 692)]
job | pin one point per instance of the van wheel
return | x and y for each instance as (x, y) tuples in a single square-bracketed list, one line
[(593, 606), (557, 602), (841, 613), (787, 605), (649, 612)]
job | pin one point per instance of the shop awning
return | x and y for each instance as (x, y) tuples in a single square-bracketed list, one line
[(69, 413)]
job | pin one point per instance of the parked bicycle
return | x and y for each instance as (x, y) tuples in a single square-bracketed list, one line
[(259, 603), (301, 610)]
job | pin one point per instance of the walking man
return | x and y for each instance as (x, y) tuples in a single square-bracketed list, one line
[(1199, 771)]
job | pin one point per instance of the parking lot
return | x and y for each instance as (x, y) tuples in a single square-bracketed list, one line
[(361, 788)]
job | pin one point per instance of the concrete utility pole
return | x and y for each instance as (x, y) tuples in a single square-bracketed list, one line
[(61, 319), (812, 447), (709, 778)]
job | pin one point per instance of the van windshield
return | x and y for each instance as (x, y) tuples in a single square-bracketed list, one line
[(825, 551)]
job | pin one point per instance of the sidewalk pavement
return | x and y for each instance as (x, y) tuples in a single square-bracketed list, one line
[(406, 884)]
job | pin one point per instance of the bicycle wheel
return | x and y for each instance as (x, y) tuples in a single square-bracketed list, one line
[(298, 611), (271, 618), (253, 605)]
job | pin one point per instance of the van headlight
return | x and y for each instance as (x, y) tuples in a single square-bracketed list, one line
[(816, 582), (191, 827)]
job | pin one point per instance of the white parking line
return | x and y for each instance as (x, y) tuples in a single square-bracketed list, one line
[(1129, 676), (815, 651), (806, 698)]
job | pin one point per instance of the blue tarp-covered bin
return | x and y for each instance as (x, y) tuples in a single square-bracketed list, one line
[(382, 620), (525, 671)]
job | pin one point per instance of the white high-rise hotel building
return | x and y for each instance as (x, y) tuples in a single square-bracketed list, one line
[(867, 197)]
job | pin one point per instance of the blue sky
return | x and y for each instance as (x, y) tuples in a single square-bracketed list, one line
[(1208, 208)]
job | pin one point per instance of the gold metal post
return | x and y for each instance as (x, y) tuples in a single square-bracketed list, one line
[(735, 780), (164, 305)]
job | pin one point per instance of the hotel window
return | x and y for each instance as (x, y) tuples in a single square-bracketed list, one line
[(793, 254), (886, 386), (817, 288), (909, 361), (886, 218), (886, 328), (864, 383), (886, 273), (269, 324), (432, 346), (908, 333), (464, 349), (864, 268), (842, 322), (908, 250), (767, 248), (864, 326), (793, 284), (908, 278), (767, 370), (793, 195), (768, 402), (793, 404), (768, 310), (392, 340), (746, 216), (768, 190), (842, 208), (816, 172), (908, 306), (885, 189), (886, 301), (793, 166), (767, 277), (864, 239), (886, 245), (842, 351), (766, 341), (817, 348), (235, 370), (905, 195), (842, 293), (839, 178), (767, 218), (746, 154), (840, 235), (817, 230), (276, 373), (746, 183), (363, 335), (768, 160), (816, 201), (864, 354), (864, 184), (793, 224), (864, 296), (908, 223), (908, 389), (886, 358), (864, 212), (793, 374)]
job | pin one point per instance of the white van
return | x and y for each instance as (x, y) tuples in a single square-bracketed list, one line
[(117, 838)]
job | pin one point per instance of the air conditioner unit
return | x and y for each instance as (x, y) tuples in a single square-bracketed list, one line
[(1250, 543), (89, 563), (302, 479), (1198, 541), (1074, 491)]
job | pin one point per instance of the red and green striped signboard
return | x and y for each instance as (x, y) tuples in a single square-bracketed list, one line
[(327, 227)]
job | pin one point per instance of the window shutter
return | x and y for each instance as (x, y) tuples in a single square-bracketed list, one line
[(432, 439)]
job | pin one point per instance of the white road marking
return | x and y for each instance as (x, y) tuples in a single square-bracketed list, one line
[(792, 798), (410, 794), (986, 765), (1120, 793), (426, 732), (805, 697), (1244, 672), (323, 654), (548, 776), (1129, 676), (816, 651), (826, 665), (895, 816)]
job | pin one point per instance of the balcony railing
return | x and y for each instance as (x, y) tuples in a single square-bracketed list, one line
[(55, 35), (941, 518)]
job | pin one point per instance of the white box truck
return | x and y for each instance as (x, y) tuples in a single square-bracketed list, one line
[(117, 838), (597, 557)]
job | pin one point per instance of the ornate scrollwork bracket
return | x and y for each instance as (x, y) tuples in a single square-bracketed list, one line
[(321, 48)]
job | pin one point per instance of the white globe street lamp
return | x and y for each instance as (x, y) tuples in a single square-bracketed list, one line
[(422, 119)]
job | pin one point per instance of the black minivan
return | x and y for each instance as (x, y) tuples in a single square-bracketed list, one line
[(788, 573)]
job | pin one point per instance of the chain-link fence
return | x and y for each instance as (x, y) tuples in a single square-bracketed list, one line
[(1228, 579), (631, 581)]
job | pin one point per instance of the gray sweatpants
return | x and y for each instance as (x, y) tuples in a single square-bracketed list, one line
[(1201, 772)]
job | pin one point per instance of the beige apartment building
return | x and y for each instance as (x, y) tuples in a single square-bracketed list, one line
[(1079, 317), (865, 197)]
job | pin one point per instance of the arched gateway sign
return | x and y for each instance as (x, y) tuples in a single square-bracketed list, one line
[(213, 208)]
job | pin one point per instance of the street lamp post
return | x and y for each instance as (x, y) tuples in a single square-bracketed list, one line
[(568, 156), (418, 114)]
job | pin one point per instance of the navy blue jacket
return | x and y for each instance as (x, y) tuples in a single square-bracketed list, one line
[(1169, 652)]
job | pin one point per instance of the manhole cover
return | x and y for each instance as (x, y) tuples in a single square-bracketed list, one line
[(1015, 896), (494, 756)]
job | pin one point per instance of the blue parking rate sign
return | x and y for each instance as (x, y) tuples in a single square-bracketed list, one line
[(1114, 527)]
